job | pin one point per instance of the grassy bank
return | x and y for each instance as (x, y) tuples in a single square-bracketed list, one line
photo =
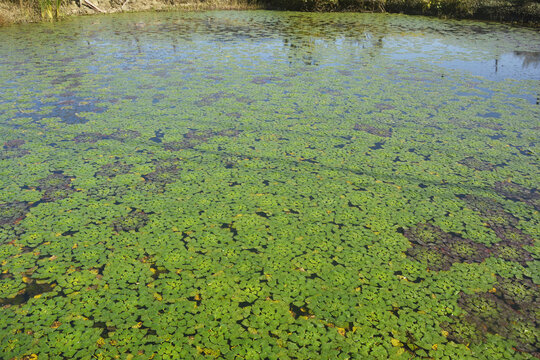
[(517, 11), (525, 12), (15, 11)]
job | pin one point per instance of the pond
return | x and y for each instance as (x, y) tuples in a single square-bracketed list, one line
[(269, 185)]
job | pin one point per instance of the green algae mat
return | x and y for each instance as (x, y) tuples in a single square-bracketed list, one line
[(261, 185)]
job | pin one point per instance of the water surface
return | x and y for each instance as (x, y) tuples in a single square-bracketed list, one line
[(269, 185)]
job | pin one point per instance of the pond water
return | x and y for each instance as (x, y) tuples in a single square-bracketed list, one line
[(269, 185)]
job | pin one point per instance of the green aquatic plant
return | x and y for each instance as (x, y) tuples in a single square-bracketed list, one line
[(50, 9), (167, 206)]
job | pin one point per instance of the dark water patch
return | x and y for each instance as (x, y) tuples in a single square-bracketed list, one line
[(211, 99), (195, 137), (298, 311), (263, 214), (489, 209), (378, 145), (158, 138), (90, 137), (12, 149), (497, 136), (157, 98), (384, 106), (12, 213), (235, 115), (32, 289), (133, 221), (438, 250), (261, 80), (70, 110), (509, 310), (124, 135), (56, 186), (244, 100), (491, 114), (522, 150), (515, 192), (166, 172), (503, 224), (477, 164), (373, 130), (13, 144), (113, 169), (73, 79)]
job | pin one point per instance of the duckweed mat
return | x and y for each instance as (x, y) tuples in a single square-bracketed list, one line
[(263, 185)]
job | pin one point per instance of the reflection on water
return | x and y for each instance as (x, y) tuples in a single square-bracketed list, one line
[(510, 65), (483, 49), (530, 58)]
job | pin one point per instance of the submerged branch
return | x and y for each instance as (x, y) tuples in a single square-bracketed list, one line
[(93, 6)]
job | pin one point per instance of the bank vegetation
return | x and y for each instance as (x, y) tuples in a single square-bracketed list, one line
[(524, 12)]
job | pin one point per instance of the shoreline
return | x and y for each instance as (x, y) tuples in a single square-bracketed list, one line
[(527, 16)]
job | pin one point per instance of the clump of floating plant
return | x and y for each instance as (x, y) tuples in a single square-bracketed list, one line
[(509, 309), (439, 250), (9, 232), (513, 191), (12, 149), (195, 137), (133, 221), (56, 186), (373, 130), (476, 164), (111, 170), (119, 135)]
